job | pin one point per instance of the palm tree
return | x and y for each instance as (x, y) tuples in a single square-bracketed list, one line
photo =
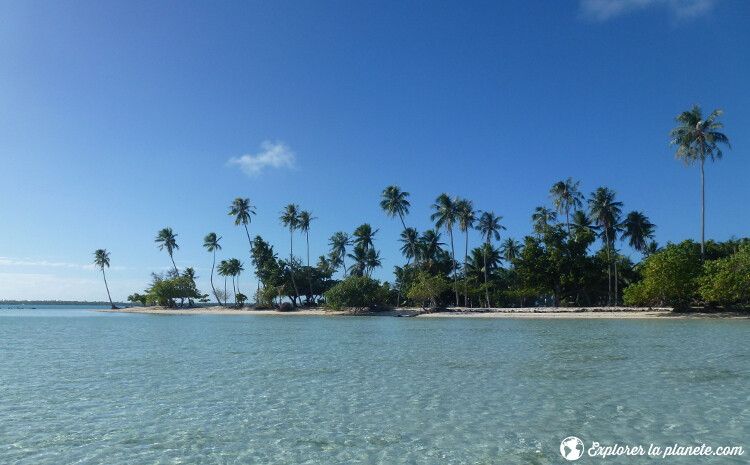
[(235, 268), (211, 243), (394, 203), (445, 216), (224, 270), (339, 242), (409, 238), (466, 218), (639, 229), (489, 226), (582, 222), (305, 217), (429, 245), (565, 194), (605, 212), (510, 250), (364, 236), (541, 218), (101, 259), (697, 139), (290, 219), (167, 240), (372, 260), (241, 210), (359, 256), (189, 274)]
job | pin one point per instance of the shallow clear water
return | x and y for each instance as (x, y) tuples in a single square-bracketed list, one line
[(87, 388)]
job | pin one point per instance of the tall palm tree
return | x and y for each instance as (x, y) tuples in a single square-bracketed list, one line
[(242, 211), (339, 241), (394, 203), (211, 243), (167, 240), (101, 259), (510, 250), (466, 218), (489, 226), (364, 236), (224, 270), (305, 218), (541, 218), (639, 229), (290, 219), (445, 216), (697, 139), (235, 269), (605, 212), (565, 195)]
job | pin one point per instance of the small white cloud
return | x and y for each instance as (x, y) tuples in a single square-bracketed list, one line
[(603, 10), (7, 261), (275, 155)]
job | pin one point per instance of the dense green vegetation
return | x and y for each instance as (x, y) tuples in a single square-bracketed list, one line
[(571, 257)]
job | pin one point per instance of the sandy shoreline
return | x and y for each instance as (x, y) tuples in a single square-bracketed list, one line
[(528, 312)]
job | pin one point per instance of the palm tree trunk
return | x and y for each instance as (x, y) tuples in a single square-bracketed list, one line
[(257, 268), (466, 282), (291, 263), (309, 277), (609, 268), (486, 287), (107, 286), (567, 217), (234, 289), (616, 300), (177, 273), (703, 210), (453, 259), (212, 279)]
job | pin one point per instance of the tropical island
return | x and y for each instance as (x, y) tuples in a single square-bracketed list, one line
[(570, 260)]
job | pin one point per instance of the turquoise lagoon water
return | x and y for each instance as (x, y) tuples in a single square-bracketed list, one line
[(88, 388)]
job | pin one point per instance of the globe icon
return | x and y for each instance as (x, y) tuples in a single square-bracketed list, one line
[(571, 448)]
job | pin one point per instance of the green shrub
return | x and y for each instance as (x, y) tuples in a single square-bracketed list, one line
[(428, 288), (670, 277), (266, 296), (355, 291), (727, 280)]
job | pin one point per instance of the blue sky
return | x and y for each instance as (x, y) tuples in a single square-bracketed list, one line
[(121, 118)]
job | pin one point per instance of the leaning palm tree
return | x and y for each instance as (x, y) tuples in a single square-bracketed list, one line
[(101, 259), (639, 229), (394, 203), (542, 218), (510, 250), (697, 139), (489, 226), (466, 218), (167, 240), (339, 242), (211, 243), (290, 219), (565, 195), (445, 216), (605, 212), (305, 217)]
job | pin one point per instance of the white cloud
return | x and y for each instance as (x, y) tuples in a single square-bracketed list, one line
[(602, 10), (7, 261), (275, 155)]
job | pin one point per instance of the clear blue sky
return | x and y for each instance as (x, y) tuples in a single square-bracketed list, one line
[(121, 118)]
